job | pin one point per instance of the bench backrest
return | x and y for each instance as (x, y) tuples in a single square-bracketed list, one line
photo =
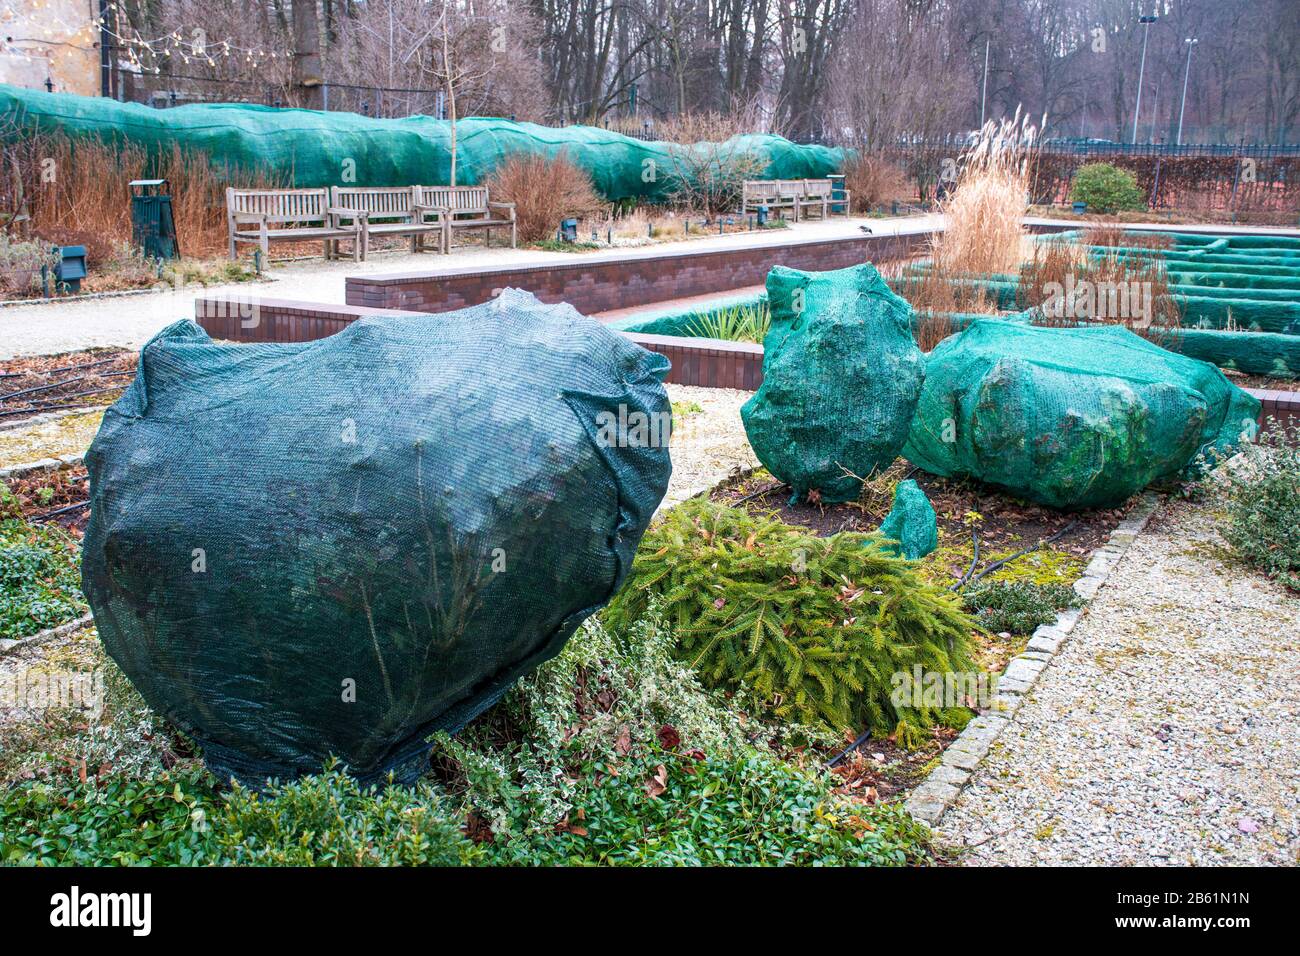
[(817, 188), (382, 202), (279, 205), (458, 199), (756, 189)]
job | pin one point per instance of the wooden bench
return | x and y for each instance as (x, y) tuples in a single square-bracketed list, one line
[(798, 196), (393, 211), (264, 216), (467, 207)]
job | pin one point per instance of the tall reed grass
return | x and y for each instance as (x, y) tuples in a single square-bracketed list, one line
[(984, 229)]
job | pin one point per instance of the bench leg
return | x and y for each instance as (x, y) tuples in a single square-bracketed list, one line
[(233, 253), (514, 235)]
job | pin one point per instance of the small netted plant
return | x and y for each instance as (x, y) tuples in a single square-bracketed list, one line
[(1106, 189), (806, 628), (1018, 607), (1263, 503)]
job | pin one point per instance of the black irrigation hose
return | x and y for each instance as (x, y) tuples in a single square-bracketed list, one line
[(41, 388), (60, 511), (975, 540), (1020, 554), (849, 749)]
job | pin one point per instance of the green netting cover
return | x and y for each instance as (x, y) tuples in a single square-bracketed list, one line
[(410, 513), (911, 522), (841, 376), (1072, 418), (318, 148)]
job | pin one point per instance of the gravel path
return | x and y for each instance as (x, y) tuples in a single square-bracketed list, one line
[(1165, 730), (708, 445)]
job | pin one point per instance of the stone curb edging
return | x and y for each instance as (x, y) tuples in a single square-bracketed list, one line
[(41, 465), (8, 646), (933, 796)]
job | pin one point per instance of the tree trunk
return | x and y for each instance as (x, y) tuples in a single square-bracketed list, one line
[(306, 55)]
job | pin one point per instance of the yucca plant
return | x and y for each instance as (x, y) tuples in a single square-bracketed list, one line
[(809, 629), (736, 323)]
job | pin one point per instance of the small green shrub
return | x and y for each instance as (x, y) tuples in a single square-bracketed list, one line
[(737, 323), (40, 582), (1264, 504), (1018, 606), (178, 819), (670, 809), (1106, 189), (613, 753), (331, 820), (810, 629)]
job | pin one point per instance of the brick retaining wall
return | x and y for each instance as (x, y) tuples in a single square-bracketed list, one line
[(603, 282), (712, 363)]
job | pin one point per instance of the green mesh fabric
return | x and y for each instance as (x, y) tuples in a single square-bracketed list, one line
[(841, 376), (319, 148), (414, 512), (1072, 418), (911, 522)]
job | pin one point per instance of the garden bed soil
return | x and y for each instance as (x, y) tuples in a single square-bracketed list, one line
[(69, 380), (962, 508), (44, 492)]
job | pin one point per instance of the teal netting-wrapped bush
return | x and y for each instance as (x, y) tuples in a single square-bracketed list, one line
[(1070, 417), (841, 376), (911, 522), (339, 547)]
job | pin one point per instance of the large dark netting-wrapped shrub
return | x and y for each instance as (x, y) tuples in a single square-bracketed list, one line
[(1070, 417), (339, 547), (841, 377)]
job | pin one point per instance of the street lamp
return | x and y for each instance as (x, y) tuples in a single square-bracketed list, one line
[(1146, 33), (1191, 42)]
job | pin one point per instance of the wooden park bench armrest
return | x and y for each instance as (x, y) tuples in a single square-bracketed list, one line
[(350, 213), (502, 205), (245, 218), (420, 207)]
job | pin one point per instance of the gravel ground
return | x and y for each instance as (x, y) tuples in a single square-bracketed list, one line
[(707, 445), (1164, 731)]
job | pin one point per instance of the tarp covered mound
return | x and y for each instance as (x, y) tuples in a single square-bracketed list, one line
[(1069, 417), (339, 547), (318, 148), (841, 377)]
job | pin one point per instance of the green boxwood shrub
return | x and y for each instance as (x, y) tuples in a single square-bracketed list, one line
[(1106, 189), (806, 628)]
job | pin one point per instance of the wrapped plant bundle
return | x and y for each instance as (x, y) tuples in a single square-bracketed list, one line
[(841, 377), (339, 547), (1070, 417)]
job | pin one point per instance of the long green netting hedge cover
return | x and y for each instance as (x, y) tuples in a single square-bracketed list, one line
[(339, 547), (1072, 418), (326, 149)]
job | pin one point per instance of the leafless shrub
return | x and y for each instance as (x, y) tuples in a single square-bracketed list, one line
[(544, 192)]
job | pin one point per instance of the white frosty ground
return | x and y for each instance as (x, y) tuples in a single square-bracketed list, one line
[(1165, 730)]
